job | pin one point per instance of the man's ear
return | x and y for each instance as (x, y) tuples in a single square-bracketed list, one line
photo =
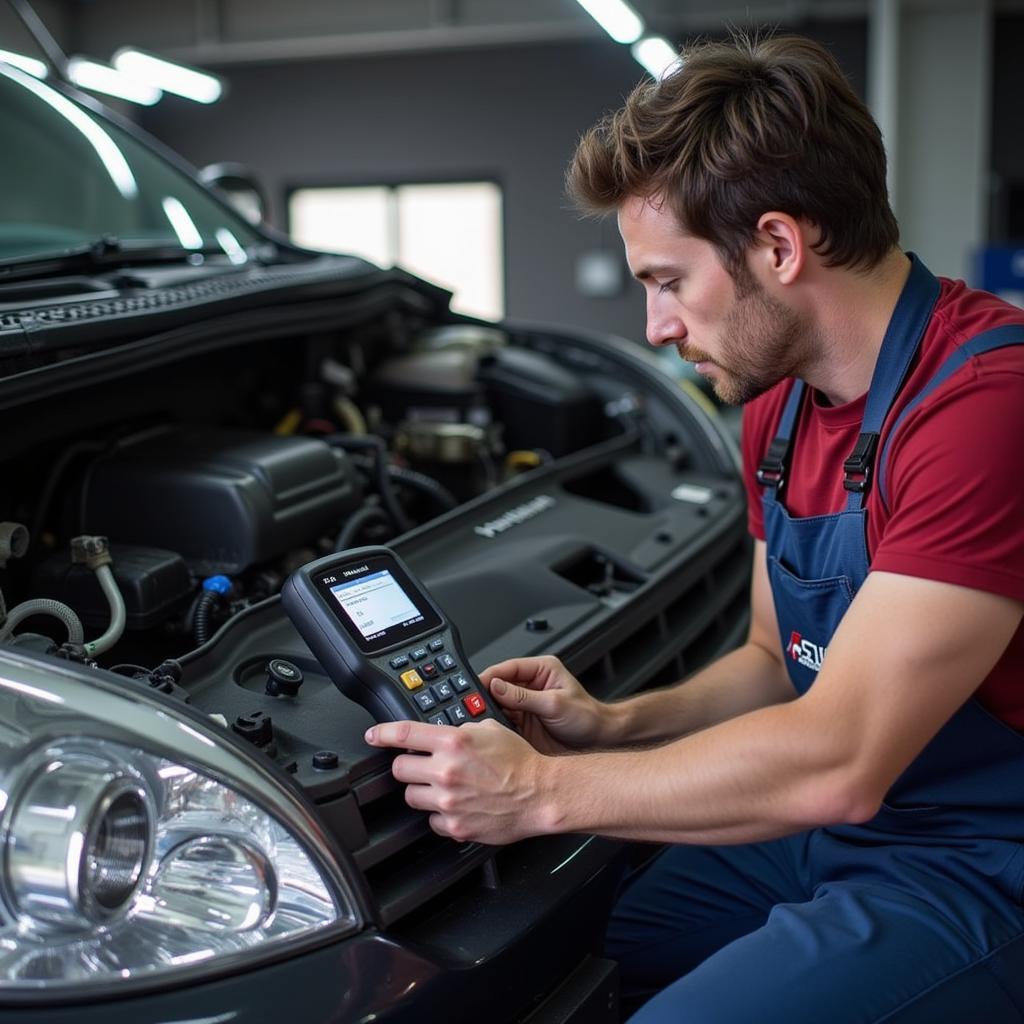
[(781, 246)]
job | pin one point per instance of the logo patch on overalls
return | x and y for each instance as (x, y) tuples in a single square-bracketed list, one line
[(808, 654)]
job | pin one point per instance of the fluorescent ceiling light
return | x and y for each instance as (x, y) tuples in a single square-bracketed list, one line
[(657, 55), (103, 78), (170, 77), (34, 67), (616, 17), (182, 223)]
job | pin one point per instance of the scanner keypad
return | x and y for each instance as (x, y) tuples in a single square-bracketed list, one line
[(443, 693)]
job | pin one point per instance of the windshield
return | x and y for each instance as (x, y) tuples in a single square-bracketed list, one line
[(69, 178)]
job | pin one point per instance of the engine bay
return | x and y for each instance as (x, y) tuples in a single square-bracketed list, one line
[(558, 493)]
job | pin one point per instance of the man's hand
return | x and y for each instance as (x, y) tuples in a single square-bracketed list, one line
[(547, 704), (479, 781)]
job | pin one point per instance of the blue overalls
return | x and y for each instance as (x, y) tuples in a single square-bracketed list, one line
[(913, 917)]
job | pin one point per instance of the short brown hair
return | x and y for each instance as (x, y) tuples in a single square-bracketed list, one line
[(744, 127)]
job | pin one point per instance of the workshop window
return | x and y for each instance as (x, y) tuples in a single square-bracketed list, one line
[(448, 233)]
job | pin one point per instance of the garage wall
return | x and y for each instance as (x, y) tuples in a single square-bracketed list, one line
[(511, 115), (1006, 222)]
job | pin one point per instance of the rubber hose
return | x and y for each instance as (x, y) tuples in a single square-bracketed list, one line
[(112, 593), (201, 624), (349, 442), (355, 524), (44, 606), (427, 484)]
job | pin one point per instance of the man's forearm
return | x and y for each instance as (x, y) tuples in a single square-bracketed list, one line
[(749, 677), (755, 777)]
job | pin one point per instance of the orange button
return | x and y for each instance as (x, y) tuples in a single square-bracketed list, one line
[(412, 679), (475, 704)]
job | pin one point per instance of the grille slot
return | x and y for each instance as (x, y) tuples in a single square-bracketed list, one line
[(405, 864), (691, 629)]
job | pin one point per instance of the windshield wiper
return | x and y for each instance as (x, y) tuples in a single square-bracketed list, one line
[(106, 253)]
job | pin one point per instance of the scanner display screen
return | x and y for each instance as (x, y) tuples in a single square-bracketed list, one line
[(376, 603)]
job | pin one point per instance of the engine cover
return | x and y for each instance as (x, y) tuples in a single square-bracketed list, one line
[(224, 500)]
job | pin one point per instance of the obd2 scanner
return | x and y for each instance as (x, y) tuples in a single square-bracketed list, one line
[(383, 641)]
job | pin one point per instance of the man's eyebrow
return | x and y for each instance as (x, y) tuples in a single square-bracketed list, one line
[(657, 270)]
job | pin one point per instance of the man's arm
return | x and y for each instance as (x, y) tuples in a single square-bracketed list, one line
[(907, 654)]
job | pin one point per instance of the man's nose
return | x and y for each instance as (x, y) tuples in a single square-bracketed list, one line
[(663, 329)]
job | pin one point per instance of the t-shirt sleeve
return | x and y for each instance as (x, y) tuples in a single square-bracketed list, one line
[(955, 485)]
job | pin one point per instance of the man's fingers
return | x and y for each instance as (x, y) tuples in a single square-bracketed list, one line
[(437, 823), (408, 735), (525, 671), (420, 798), (413, 768), (519, 698)]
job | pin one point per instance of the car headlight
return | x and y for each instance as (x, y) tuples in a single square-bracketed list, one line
[(137, 842)]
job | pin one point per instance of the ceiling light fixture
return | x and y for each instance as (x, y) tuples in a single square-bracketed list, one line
[(168, 76), (656, 55), (34, 67), (88, 74), (616, 17)]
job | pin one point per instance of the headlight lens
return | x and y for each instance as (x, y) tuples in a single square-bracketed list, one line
[(79, 839), (122, 863)]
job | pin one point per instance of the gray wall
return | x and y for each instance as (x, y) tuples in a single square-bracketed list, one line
[(1007, 130), (14, 36), (512, 115)]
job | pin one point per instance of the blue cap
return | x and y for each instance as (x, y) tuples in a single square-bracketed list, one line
[(218, 584)]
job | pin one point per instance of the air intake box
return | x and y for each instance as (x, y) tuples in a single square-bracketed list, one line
[(540, 404), (153, 583), (224, 500)]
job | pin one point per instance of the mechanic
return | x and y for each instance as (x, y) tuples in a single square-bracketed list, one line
[(847, 826)]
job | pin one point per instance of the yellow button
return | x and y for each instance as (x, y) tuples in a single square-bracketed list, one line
[(412, 679)]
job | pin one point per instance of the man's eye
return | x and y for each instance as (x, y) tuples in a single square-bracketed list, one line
[(668, 286)]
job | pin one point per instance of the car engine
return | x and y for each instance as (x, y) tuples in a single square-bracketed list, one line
[(558, 492)]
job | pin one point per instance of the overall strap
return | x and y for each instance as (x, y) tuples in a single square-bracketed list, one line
[(987, 341), (902, 339), (774, 467)]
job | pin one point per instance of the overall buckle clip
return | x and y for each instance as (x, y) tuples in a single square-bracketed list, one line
[(857, 468), (772, 470)]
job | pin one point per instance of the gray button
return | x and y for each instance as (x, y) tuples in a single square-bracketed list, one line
[(399, 661), (442, 691), (438, 719), (445, 662), (457, 714), (460, 682), (424, 700)]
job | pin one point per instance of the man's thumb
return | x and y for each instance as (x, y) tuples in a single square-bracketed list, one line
[(510, 695)]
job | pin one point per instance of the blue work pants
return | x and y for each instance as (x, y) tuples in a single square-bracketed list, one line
[(812, 929)]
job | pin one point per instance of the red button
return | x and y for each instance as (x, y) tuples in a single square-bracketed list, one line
[(475, 704)]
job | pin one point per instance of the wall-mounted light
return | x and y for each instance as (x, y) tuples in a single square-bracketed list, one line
[(168, 76), (34, 67), (616, 17), (656, 55), (88, 74)]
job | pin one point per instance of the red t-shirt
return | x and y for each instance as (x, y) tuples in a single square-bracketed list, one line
[(954, 472)]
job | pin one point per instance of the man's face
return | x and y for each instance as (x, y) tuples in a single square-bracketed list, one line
[(743, 341)]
